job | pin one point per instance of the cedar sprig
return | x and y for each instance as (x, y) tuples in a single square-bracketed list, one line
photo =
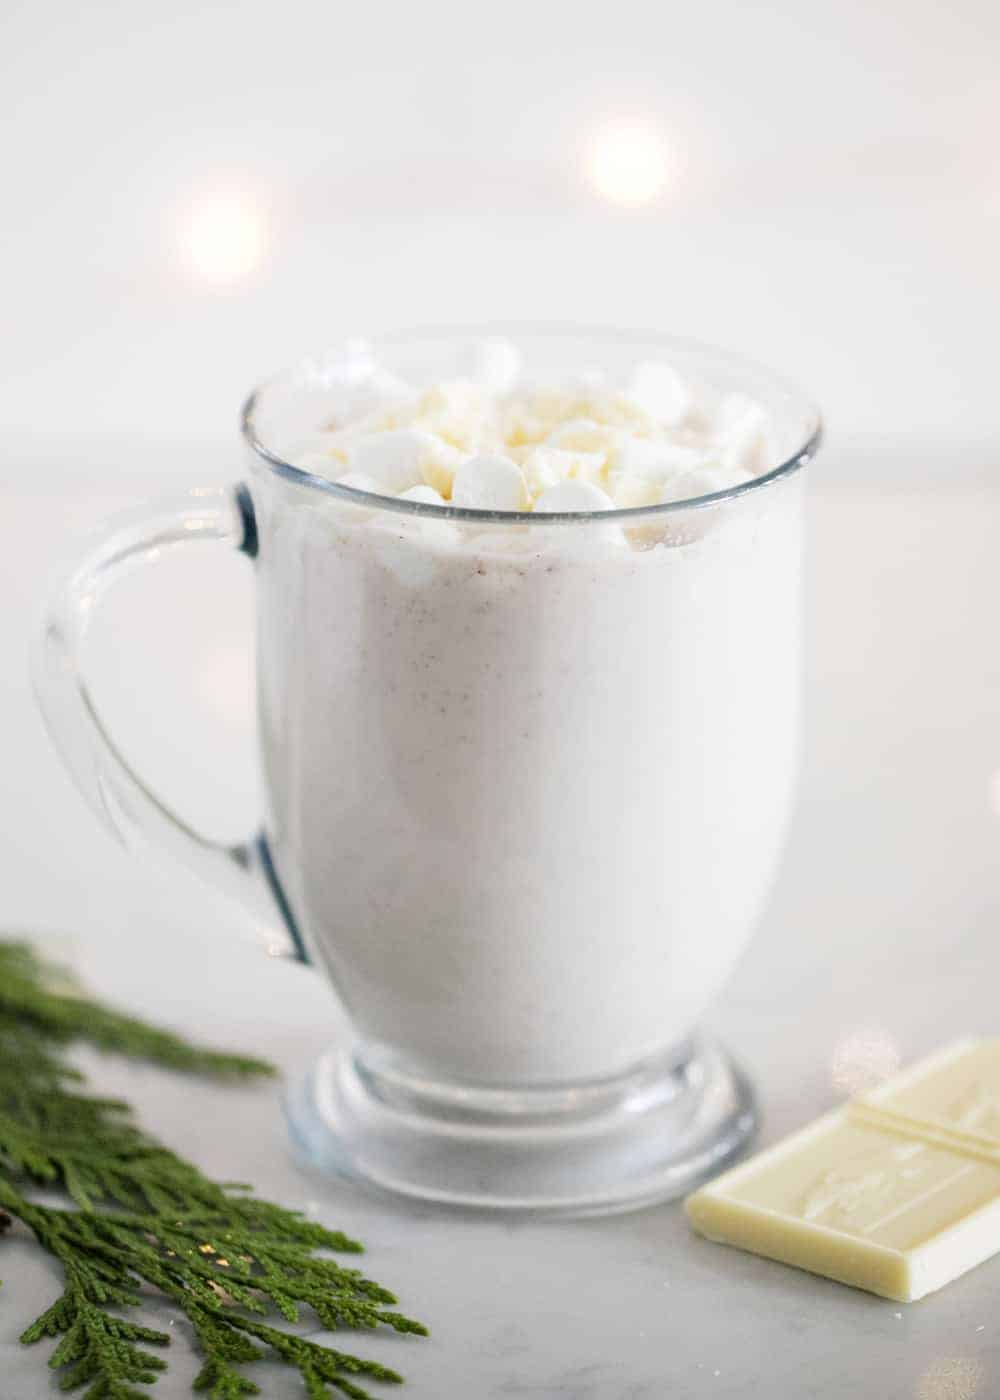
[(142, 1217)]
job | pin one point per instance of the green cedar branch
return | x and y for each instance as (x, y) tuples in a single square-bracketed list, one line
[(143, 1217)]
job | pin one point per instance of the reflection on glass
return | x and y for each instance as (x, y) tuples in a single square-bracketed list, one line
[(223, 238), (628, 162), (862, 1059), (951, 1378)]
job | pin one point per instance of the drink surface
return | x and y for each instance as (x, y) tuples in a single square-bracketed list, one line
[(496, 439)]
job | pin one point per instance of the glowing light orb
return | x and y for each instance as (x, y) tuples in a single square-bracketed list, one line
[(628, 163), (862, 1059), (223, 239)]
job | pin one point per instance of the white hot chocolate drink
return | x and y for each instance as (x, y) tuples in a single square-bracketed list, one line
[(529, 770)]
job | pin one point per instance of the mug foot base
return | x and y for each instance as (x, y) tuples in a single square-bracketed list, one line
[(594, 1149)]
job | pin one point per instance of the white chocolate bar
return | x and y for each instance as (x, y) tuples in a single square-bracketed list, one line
[(897, 1193), (952, 1096)]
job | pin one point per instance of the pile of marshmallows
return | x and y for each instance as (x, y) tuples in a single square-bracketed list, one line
[(489, 442)]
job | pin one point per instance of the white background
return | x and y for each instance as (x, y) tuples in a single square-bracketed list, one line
[(829, 202)]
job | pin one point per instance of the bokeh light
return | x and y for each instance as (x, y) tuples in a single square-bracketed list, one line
[(951, 1378), (223, 238), (628, 163), (862, 1059)]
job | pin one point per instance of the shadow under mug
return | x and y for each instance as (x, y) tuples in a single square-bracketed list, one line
[(527, 783)]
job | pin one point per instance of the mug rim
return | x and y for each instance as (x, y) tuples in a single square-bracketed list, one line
[(301, 476)]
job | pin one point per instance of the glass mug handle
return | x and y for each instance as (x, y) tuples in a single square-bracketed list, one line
[(114, 790)]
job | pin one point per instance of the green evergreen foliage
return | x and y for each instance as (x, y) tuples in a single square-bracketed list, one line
[(140, 1216)]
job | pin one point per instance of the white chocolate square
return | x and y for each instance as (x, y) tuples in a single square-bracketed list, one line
[(955, 1094), (896, 1203)]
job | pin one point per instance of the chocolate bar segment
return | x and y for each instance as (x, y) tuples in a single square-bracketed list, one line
[(898, 1193)]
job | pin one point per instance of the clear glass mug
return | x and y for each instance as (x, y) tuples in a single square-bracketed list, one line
[(527, 783)]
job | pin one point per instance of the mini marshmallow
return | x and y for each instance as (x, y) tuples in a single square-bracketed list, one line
[(584, 435), (358, 481), (440, 465), (459, 412), (395, 459), (426, 495), (672, 530), (530, 416), (703, 481), (319, 463), (660, 391), (655, 458), (642, 467), (740, 426), (356, 513), (544, 466), (496, 365), (520, 427), (617, 410), (379, 392), (349, 385), (573, 495), (629, 491), (590, 466), (489, 482), (330, 448)]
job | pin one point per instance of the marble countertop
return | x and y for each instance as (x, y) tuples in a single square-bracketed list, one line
[(880, 943)]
